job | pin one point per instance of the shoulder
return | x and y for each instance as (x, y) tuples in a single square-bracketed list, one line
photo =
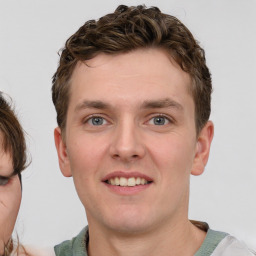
[(32, 251), (75, 246), (211, 241), (231, 246), (222, 244)]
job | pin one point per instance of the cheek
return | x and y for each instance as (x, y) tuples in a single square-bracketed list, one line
[(174, 154), (15, 199), (85, 156), (10, 199), (174, 161), (86, 159)]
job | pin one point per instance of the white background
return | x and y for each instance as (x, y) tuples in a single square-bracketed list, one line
[(31, 33)]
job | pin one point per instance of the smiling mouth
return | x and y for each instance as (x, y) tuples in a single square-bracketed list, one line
[(127, 182)]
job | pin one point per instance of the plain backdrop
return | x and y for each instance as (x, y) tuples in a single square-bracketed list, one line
[(32, 32)]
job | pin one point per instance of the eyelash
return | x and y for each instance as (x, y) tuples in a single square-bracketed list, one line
[(90, 118), (4, 181), (162, 116)]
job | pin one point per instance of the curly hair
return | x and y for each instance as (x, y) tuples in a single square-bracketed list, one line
[(13, 136), (128, 29)]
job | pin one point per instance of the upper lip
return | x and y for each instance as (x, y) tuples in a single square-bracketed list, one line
[(126, 175)]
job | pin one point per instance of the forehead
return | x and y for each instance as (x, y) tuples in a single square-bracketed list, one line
[(140, 73), (5, 148), (1, 142), (6, 167)]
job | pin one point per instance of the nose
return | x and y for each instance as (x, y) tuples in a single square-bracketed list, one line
[(127, 143)]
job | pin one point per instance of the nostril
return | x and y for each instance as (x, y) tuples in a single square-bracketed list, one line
[(126, 152)]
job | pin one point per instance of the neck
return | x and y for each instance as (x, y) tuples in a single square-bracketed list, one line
[(174, 240)]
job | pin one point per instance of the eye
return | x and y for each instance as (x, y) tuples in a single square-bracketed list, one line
[(96, 121), (3, 180), (159, 120)]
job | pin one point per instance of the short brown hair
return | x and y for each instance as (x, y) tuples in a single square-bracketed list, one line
[(13, 136), (127, 29)]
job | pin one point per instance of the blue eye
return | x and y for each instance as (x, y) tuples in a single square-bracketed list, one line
[(97, 120), (3, 181), (159, 120)]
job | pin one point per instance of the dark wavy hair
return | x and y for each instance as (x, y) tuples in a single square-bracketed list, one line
[(128, 29), (14, 144), (13, 136)]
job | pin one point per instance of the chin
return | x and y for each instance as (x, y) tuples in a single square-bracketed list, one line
[(130, 223), (125, 219), (129, 228)]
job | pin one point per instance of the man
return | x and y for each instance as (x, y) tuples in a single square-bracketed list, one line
[(132, 94)]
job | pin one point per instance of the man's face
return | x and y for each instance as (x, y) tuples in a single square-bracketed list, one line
[(130, 121)]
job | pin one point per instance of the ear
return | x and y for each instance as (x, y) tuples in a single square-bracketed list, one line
[(62, 153), (203, 148)]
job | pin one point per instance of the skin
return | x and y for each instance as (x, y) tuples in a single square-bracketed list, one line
[(10, 198), (135, 90)]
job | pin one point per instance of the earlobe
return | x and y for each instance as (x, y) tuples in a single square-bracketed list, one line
[(62, 153), (203, 148)]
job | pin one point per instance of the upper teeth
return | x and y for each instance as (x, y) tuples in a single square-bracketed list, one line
[(124, 182)]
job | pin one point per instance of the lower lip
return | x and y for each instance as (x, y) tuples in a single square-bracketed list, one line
[(127, 190)]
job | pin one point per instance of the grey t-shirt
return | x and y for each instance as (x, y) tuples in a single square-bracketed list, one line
[(215, 244)]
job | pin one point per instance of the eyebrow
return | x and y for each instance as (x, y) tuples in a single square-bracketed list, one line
[(162, 103), (92, 104)]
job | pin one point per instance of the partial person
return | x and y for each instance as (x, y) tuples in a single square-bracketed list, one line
[(13, 160), (132, 94)]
